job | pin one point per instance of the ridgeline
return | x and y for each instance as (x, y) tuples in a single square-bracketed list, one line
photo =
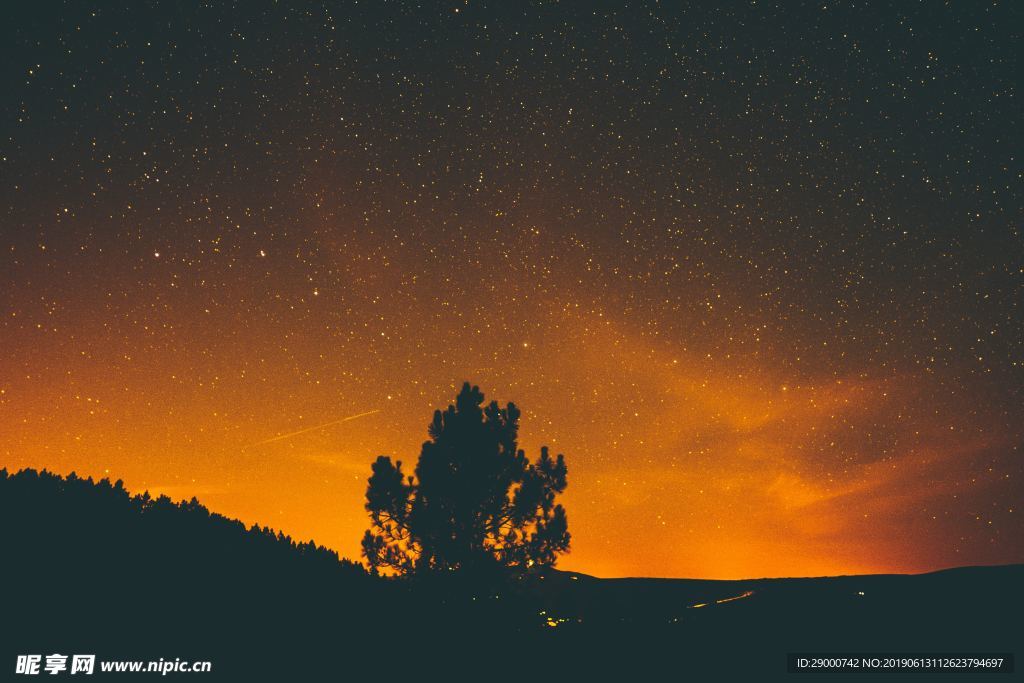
[(89, 568)]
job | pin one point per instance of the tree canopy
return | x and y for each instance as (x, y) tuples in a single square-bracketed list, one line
[(474, 503)]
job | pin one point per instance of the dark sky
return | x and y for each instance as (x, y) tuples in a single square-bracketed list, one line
[(755, 268)]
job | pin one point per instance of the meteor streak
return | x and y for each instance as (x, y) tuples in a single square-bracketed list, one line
[(311, 429)]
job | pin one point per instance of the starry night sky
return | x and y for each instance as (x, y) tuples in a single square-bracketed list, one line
[(756, 268)]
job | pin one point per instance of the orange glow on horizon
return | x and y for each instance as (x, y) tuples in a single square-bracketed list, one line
[(679, 465)]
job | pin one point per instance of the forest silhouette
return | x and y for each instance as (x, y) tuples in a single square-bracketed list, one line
[(467, 584)]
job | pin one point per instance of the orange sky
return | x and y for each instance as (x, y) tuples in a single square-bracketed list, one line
[(681, 464)]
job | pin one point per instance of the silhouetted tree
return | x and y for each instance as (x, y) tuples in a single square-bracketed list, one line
[(475, 502)]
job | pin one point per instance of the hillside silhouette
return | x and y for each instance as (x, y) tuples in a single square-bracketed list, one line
[(89, 568), (90, 523), (87, 564)]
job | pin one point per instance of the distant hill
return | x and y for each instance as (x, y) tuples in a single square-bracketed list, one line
[(88, 568), (94, 525)]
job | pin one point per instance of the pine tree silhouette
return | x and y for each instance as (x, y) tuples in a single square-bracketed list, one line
[(475, 503)]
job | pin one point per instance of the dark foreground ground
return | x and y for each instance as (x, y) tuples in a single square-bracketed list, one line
[(634, 629), (89, 570)]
